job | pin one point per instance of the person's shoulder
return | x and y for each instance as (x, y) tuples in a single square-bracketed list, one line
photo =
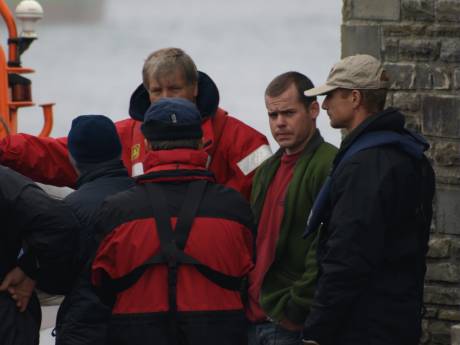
[(235, 124), (224, 202), (123, 205), (125, 124), (328, 148), (12, 180)]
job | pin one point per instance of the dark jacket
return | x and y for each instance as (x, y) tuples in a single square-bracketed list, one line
[(220, 237), (373, 244), (82, 318), (46, 229)]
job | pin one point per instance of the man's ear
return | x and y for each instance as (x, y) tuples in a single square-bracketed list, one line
[(356, 98), (313, 109)]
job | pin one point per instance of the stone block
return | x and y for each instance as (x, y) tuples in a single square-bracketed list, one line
[(418, 10), (430, 313), (439, 248), (391, 50), (402, 76), (455, 250), (376, 9), (423, 77), (389, 99), (449, 315), (446, 154), (450, 50), (444, 271), (419, 49), (448, 210), (456, 78), (439, 332), (441, 116), (413, 122), (346, 10), (406, 29), (447, 10), (443, 30), (447, 175), (441, 79), (439, 327), (406, 101), (442, 295), (440, 338), (455, 335), (361, 39)]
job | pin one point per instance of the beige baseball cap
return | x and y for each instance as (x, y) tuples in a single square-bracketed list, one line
[(361, 72)]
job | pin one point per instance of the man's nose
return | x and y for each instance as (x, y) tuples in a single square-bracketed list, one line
[(324, 105), (280, 121)]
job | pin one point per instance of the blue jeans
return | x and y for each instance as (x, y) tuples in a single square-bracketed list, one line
[(273, 334)]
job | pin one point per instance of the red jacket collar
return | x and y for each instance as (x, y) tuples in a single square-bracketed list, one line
[(177, 159)]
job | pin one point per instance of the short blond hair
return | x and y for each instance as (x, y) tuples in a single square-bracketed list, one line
[(167, 60)]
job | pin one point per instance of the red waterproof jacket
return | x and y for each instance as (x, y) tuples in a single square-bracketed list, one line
[(235, 150), (221, 237)]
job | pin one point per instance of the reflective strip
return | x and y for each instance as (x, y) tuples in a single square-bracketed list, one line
[(254, 159), (137, 169)]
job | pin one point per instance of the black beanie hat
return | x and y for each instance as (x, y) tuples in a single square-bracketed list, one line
[(93, 139), (172, 119)]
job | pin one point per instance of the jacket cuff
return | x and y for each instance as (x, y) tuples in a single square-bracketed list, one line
[(28, 264), (295, 313)]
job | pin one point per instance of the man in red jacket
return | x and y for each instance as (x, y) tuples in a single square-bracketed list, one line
[(234, 149), (177, 245)]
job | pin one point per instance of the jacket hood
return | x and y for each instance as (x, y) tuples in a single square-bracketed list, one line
[(388, 120), (207, 100)]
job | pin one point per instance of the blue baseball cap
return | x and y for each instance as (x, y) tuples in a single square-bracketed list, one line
[(172, 119)]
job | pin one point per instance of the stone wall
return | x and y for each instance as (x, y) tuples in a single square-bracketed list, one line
[(419, 42)]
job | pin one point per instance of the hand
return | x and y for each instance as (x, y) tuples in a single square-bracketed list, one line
[(291, 326), (19, 286)]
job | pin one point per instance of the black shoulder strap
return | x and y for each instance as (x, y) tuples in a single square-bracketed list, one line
[(188, 212)]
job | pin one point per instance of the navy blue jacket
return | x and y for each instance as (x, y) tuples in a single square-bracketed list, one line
[(82, 317), (373, 243)]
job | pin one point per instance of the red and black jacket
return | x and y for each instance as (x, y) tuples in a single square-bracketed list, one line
[(221, 238)]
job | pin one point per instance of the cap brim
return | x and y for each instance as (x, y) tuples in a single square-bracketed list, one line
[(320, 90)]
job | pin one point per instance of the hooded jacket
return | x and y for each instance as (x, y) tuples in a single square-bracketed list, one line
[(82, 318), (373, 243), (221, 237), (235, 150)]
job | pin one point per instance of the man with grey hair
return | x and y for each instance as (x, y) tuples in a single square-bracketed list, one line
[(374, 213), (234, 149)]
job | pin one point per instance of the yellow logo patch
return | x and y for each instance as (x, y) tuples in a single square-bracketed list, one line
[(135, 152)]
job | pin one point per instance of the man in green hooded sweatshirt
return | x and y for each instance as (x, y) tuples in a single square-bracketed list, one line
[(285, 186)]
